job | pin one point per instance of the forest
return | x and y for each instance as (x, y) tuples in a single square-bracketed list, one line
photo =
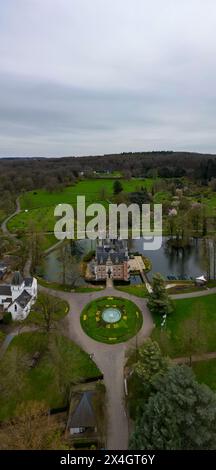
[(18, 175)]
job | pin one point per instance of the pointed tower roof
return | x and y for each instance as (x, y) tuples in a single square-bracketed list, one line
[(84, 416), (17, 279)]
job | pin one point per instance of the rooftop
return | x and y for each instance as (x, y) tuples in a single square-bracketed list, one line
[(23, 299), (83, 415), (17, 279)]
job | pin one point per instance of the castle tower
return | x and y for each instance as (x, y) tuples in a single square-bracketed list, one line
[(17, 285)]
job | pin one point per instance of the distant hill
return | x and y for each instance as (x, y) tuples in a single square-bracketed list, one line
[(18, 174)]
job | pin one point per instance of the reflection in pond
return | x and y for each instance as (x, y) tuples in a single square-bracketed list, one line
[(182, 263)]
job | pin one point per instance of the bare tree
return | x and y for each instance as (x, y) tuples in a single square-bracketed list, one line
[(47, 308), (193, 338), (13, 374), (32, 429), (65, 365), (71, 271)]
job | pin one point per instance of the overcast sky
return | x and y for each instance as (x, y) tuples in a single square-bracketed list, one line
[(80, 77)]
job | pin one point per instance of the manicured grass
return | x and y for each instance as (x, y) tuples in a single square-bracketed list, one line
[(91, 188), (41, 382), (36, 319), (40, 203), (205, 372), (43, 219), (60, 287), (205, 308), (94, 326), (53, 285), (137, 290), (84, 290)]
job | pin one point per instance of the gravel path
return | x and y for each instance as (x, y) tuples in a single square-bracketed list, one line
[(109, 358), (195, 358), (10, 337), (191, 295), (4, 224)]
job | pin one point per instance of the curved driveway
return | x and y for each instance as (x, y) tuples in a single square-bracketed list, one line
[(191, 295), (4, 223), (109, 358)]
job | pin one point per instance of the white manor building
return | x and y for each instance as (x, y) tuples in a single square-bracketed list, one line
[(18, 297)]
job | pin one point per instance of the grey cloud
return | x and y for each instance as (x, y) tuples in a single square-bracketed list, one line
[(80, 77)]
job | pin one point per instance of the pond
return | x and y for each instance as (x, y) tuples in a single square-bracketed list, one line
[(182, 263)]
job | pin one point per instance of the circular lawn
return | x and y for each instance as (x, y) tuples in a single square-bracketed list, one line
[(111, 319)]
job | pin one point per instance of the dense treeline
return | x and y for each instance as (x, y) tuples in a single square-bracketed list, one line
[(23, 174), (28, 173)]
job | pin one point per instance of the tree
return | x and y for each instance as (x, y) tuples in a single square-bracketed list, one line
[(5, 244), (150, 361), (159, 301), (34, 246), (193, 334), (206, 256), (180, 415), (103, 194), (47, 307), (70, 273), (13, 374), (117, 187), (65, 368), (32, 429)]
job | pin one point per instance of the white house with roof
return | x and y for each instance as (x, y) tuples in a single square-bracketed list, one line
[(19, 296)]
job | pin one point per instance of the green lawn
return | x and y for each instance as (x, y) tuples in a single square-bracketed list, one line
[(210, 204), (40, 203), (137, 290), (84, 290), (186, 287), (91, 188), (94, 326), (42, 218), (36, 319), (60, 287), (41, 382), (205, 308), (205, 372)]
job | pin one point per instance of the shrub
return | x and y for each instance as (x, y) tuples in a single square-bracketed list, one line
[(7, 319)]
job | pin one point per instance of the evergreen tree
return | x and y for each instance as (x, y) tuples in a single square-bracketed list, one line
[(181, 414), (150, 361), (159, 301), (117, 187)]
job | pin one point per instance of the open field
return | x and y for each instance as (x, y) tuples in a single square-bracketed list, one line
[(201, 308), (60, 362), (92, 189), (38, 206), (41, 218)]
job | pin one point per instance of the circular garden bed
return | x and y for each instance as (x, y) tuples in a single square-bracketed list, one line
[(111, 319)]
